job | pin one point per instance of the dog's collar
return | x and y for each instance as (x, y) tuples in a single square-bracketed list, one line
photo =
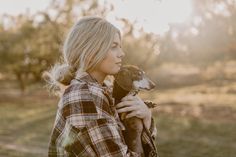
[(133, 92)]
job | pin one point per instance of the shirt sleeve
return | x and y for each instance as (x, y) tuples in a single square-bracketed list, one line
[(98, 138), (55, 149), (82, 131), (148, 140), (149, 134)]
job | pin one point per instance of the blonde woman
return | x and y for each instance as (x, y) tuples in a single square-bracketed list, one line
[(87, 123)]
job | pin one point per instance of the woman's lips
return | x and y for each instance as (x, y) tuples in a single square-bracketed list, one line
[(119, 63)]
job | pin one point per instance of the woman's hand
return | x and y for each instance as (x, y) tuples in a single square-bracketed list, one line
[(135, 108)]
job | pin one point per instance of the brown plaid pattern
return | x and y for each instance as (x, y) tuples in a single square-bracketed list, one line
[(88, 125)]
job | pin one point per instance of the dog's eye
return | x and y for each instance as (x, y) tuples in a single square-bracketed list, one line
[(137, 76)]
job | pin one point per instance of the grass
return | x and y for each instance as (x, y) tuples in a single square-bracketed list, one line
[(26, 123), (191, 137), (192, 127)]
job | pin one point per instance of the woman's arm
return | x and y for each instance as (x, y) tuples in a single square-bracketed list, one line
[(89, 134), (99, 137), (137, 108), (83, 130)]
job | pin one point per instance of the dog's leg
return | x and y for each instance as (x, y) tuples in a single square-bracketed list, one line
[(132, 134), (134, 128)]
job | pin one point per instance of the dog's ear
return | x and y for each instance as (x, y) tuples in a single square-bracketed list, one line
[(125, 72), (124, 79), (122, 72)]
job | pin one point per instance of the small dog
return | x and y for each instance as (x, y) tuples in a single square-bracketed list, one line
[(130, 80)]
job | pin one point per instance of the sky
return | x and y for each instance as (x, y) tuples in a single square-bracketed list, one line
[(153, 15), (15, 7)]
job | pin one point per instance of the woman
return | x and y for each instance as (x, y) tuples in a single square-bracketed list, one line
[(87, 122)]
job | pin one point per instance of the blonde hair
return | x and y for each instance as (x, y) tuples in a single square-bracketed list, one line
[(86, 45)]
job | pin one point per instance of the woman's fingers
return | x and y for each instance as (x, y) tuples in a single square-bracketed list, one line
[(124, 104), (129, 98), (126, 109), (135, 106), (132, 114)]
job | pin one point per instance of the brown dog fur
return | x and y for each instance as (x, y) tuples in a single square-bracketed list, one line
[(129, 80)]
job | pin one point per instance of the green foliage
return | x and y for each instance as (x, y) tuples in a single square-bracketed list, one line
[(31, 46), (208, 36), (28, 50), (140, 51)]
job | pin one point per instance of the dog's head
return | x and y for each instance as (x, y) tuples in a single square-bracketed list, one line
[(133, 78)]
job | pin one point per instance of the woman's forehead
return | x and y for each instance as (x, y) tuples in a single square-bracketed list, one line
[(116, 38)]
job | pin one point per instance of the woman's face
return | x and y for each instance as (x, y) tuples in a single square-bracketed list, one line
[(112, 62)]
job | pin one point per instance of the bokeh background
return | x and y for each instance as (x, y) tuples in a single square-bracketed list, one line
[(188, 47)]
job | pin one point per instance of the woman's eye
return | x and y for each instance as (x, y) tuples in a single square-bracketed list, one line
[(114, 46)]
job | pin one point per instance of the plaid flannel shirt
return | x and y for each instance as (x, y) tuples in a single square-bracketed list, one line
[(87, 123)]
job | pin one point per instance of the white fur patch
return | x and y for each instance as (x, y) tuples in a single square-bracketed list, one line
[(141, 84)]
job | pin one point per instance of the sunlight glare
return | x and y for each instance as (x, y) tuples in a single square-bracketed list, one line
[(14, 7), (175, 11), (152, 15)]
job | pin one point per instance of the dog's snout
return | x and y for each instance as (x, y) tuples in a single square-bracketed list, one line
[(145, 84), (152, 84)]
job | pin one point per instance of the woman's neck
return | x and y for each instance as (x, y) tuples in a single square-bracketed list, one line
[(100, 77)]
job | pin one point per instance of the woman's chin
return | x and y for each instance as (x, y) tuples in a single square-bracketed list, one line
[(118, 69), (115, 71)]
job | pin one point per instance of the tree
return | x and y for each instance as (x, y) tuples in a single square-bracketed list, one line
[(30, 46), (209, 35)]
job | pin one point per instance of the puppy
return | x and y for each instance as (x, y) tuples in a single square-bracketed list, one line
[(130, 80)]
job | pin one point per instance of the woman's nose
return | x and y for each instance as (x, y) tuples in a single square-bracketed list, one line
[(121, 53)]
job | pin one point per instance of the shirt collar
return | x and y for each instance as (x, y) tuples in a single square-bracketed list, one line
[(95, 85), (86, 77)]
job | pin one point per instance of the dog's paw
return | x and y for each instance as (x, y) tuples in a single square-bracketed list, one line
[(150, 104)]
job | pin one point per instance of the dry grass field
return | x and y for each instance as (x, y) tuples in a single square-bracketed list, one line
[(192, 121)]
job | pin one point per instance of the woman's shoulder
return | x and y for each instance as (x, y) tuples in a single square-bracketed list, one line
[(76, 92), (76, 87), (82, 92), (75, 102)]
